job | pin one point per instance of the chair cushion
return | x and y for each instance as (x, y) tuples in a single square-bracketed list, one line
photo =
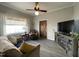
[(4, 38), (13, 39)]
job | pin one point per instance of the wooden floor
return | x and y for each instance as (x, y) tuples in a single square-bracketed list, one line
[(50, 49)]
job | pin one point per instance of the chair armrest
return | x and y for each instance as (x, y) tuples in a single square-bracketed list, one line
[(35, 52)]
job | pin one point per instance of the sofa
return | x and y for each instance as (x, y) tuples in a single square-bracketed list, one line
[(8, 48)]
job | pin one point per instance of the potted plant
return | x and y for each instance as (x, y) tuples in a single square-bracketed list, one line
[(75, 44)]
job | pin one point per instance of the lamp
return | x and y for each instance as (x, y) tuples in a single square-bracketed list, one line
[(36, 13)]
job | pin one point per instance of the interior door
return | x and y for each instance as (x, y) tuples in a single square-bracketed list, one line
[(43, 29)]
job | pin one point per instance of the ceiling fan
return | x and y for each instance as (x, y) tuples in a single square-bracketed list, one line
[(37, 9)]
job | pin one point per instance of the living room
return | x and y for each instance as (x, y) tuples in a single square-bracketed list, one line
[(36, 35)]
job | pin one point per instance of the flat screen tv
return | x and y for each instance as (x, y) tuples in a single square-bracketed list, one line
[(66, 27)]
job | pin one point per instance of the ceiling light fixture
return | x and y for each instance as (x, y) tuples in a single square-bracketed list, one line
[(36, 13)]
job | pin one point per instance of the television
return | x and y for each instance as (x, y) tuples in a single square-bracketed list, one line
[(66, 27)]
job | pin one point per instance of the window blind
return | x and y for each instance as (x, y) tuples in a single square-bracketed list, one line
[(15, 25)]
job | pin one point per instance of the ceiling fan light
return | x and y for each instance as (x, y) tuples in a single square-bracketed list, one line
[(36, 13)]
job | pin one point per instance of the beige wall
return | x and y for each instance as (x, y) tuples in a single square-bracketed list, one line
[(8, 12), (52, 19), (76, 11), (1, 25)]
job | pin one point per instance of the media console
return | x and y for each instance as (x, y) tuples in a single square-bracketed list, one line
[(69, 44)]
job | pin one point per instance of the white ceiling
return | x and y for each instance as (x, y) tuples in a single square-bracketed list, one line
[(49, 6)]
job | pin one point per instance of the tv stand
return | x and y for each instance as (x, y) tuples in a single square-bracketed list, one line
[(69, 44)]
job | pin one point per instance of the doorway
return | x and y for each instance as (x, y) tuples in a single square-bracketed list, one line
[(43, 29)]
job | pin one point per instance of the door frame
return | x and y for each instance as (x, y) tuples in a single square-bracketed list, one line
[(40, 27)]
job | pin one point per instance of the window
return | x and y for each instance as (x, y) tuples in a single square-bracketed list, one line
[(15, 26)]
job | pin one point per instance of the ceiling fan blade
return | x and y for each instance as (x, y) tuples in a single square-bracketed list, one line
[(30, 9), (43, 10)]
